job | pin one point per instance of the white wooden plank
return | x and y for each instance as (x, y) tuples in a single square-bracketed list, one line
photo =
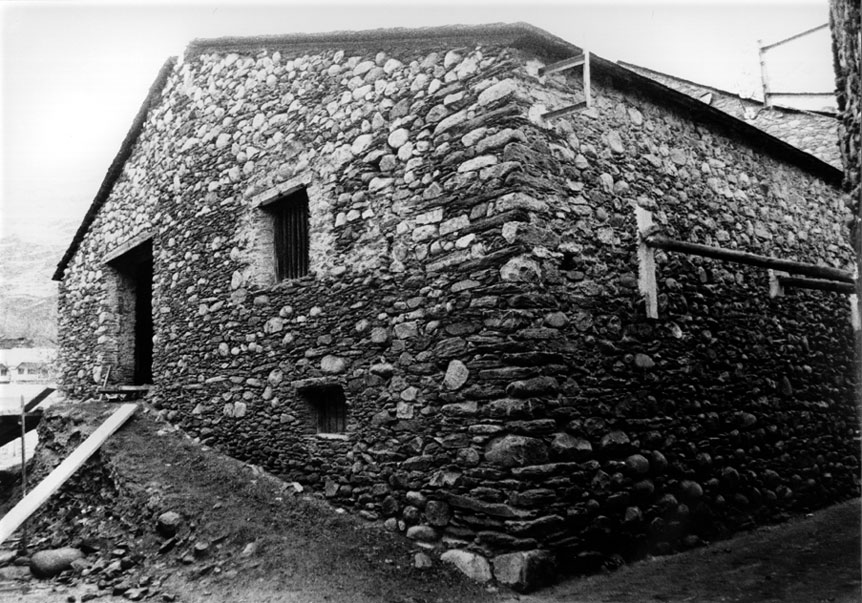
[(775, 287), (48, 486), (569, 63), (646, 264), (587, 84)]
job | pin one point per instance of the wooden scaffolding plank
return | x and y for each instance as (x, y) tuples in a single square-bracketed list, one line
[(564, 110), (39, 397), (41, 493), (570, 63)]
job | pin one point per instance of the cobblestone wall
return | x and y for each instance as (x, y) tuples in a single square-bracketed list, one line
[(846, 23), (474, 294)]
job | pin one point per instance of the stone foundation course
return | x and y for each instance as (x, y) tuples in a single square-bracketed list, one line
[(470, 331)]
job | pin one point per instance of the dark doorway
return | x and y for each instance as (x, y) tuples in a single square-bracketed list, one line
[(135, 315)]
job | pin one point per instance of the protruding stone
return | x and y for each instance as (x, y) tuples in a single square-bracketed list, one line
[(525, 570), (333, 364), (521, 269), (422, 561), (615, 142), (472, 565), (497, 91), (168, 523), (516, 451), (457, 374), (422, 533), (437, 513), (47, 564), (637, 464), (567, 447)]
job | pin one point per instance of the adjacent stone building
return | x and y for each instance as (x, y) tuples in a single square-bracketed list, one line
[(814, 132), (366, 262)]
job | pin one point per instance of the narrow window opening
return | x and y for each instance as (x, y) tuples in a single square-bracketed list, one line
[(290, 234), (327, 406)]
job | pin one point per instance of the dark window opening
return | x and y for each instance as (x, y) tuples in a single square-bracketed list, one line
[(328, 408), (290, 234)]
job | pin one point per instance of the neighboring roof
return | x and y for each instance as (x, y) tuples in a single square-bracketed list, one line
[(707, 88), (815, 132), (518, 35)]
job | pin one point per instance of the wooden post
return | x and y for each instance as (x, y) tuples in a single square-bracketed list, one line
[(764, 78), (776, 288), (23, 544), (587, 85), (855, 319), (646, 263)]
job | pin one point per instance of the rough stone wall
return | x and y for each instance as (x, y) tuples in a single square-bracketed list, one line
[(473, 291), (814, 133), (846, 23)]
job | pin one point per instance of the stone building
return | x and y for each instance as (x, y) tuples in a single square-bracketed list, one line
[(814, 132), (367, 262)]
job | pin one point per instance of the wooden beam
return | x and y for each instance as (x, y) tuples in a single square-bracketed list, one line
[(39, 397), (660, 241), (127, 246), (48, 486), (564, 110), (646, 263), (812, 283), (791, 38), (575, 61), (124, 389), (587, 83)]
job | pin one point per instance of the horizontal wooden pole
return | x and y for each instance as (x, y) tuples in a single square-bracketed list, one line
[(570, 63), (801, 93), (795, 37), (564, 110), (660, 241), (819, 284), (48, 486)]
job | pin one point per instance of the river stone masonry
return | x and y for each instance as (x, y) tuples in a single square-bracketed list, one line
[(473, 292)]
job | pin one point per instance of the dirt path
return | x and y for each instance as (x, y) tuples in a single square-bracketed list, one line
[(809, 560)]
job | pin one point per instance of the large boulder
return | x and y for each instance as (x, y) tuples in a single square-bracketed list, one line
[(516, 451), (472, 565), (525, 570), (47, 564)]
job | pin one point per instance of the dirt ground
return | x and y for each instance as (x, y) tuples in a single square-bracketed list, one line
[(266, 542)]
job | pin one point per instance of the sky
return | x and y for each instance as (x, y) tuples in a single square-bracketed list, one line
[(74, 74)]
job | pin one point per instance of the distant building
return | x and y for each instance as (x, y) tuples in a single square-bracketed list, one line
[(27, 365)]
